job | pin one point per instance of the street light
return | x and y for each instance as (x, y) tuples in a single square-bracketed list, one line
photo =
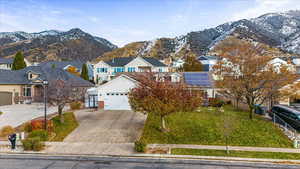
[(45, 83)]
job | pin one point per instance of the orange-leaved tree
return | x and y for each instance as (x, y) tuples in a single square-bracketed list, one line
[(162, 97), (245, 72)]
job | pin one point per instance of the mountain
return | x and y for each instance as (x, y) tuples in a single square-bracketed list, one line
[(278, 30), (54, 45)]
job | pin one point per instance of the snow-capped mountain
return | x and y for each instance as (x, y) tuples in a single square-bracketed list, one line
[(54, 45), (278, 30)]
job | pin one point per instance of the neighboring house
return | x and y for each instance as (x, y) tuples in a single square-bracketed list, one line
[(208, 62), (69, 65), (113, 95), (6, 63), (296, 62), (178, 63), (107, 70), (27, 84)]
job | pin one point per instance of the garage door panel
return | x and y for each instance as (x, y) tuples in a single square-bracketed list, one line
[(5, 98), (116, 102)]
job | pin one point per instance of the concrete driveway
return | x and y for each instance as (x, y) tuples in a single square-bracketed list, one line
[(107, 126), (15, 115), (102, 133)]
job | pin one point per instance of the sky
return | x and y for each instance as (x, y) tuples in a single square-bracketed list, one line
[(125, 21)]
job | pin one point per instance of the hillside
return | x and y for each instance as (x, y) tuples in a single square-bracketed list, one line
[(54, 45), (280, 31)]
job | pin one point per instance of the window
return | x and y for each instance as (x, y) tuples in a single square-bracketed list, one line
[(102, 70), (131, 69), (160, 70), (27, 91), (119, 69), (107, 94)]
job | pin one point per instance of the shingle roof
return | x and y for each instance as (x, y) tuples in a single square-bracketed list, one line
[(122, 61), (62, 64), (198, 79), (46, 73), (6, 60)]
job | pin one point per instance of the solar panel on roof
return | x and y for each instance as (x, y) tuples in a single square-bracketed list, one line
[(197, 79)]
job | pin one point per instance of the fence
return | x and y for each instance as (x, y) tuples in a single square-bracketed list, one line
[(287, 129)]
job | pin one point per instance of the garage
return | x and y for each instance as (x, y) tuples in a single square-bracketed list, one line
[(116, 101), (113, 95), (5, 98)]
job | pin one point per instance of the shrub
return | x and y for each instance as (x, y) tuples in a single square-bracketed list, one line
[(42, 134), (140, 146), (6, 130), (39, 125), (34, 144), (75, 105), (27, 127), (215, 102)]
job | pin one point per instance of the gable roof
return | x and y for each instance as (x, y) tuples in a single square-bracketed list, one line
[(207, 58), (122, 61), (50, 74), (6, 60), (62, 64)]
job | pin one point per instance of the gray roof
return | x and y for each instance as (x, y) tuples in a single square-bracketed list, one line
[(62, 64), (122, 61), (198, 79), (49, 74), (207, 58), (6, 60)]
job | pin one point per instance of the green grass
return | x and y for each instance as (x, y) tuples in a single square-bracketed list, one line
[(245, 154), (64, 129), (207, 128)]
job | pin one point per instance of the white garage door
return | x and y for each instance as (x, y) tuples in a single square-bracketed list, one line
[(116, 101)]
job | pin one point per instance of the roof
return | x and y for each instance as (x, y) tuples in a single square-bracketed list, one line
[(46, 73), (122, 61), (6, 60), (207, 58), (198, 79), (62, 64)]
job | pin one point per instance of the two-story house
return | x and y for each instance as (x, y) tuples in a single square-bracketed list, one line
[(107, 70)]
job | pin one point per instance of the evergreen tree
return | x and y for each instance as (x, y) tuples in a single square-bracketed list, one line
[(19, 62), (192, 64), (84, 72)]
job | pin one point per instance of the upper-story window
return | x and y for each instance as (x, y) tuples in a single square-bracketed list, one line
[(160, 70), (131, 69), (102, 70), (119, 69)]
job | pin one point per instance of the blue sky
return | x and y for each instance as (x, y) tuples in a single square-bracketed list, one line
[(124, 21)]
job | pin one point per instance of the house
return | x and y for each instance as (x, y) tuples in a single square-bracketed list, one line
[(107, 70), (72, 66), (113, 95), (296, 62), (208, 62), (27, 84), (6, 63)]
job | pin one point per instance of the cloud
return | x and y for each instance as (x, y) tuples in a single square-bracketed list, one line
[(266, 6)]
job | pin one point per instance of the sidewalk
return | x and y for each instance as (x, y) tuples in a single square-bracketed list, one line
[(236, 148)]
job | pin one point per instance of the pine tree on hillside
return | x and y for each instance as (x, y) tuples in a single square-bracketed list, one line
[(192, 64), (19, 62), (84, 72)]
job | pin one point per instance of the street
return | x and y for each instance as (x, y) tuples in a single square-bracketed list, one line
[(77, 162)]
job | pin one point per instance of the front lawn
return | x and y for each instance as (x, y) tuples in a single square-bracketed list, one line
[(245, 154), (207, 128), (62, 130)]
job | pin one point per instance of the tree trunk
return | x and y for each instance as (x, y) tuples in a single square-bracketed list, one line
[(60, 113), (251, 112), (237, 103), (163, 124)]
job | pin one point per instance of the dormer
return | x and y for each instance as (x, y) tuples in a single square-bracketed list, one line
[(32, 75)]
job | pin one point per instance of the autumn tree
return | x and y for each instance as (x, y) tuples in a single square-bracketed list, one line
[(191, 64), (84, 72), (245, 72), (60, 93), (162, 97), (19, 62)]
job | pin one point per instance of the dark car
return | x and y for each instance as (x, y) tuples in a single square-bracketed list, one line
[(288, 114)]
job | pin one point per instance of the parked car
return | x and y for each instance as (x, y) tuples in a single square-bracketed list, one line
[(288, 114), (261, 110)]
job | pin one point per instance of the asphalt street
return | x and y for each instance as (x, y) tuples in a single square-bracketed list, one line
[(77, 162)]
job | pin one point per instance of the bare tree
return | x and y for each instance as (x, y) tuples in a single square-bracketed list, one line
[(245, 73), (61, 93)]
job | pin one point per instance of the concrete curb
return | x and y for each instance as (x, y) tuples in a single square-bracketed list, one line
[(78, 157)]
